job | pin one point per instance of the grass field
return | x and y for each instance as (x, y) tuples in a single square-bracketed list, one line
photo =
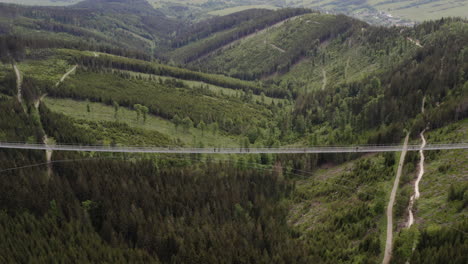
[(427, 10), (409, 9), (165, 100), (101, 112)]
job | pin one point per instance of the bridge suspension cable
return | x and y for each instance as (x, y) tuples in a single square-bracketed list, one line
[(239, 150)]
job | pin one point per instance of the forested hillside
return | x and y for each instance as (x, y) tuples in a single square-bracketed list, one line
[(277, 50), (212, 42), (136, 26), (121, 73), (351, 81)]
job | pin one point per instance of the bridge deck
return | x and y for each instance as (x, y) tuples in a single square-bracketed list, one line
[(181, 150)]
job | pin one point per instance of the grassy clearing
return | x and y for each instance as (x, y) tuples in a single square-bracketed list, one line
[(163, 69), (45, 70), (329, 200), (305, 214), (220, 91), (165, 100), (101, 112), (343, 64), (255, 54)]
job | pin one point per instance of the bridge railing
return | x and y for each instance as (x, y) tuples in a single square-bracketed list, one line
[(178, 149)]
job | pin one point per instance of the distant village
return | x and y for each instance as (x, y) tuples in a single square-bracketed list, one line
[(376, 17), (383, 18)]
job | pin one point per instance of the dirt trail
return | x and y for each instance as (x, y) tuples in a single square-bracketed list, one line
[(415, 42), (324, 81), (38, 101), (421, 166), (18, 83), (66, 75), (416, 184), (95, 54), (389, 242), (277, 48), (416, 194), (46, 139)]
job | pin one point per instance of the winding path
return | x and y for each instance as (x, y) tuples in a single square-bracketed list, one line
[(66, 75), (389, 242), (416, 194), (18, 83), (421, 166), (45, 140)]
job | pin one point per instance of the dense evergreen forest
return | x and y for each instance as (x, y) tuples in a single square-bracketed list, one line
[(121, 73), (157, 211)]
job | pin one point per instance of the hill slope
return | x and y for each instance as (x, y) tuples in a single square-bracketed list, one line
[(133, 25)]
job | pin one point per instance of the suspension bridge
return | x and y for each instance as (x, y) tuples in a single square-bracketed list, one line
[(233, 150)]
